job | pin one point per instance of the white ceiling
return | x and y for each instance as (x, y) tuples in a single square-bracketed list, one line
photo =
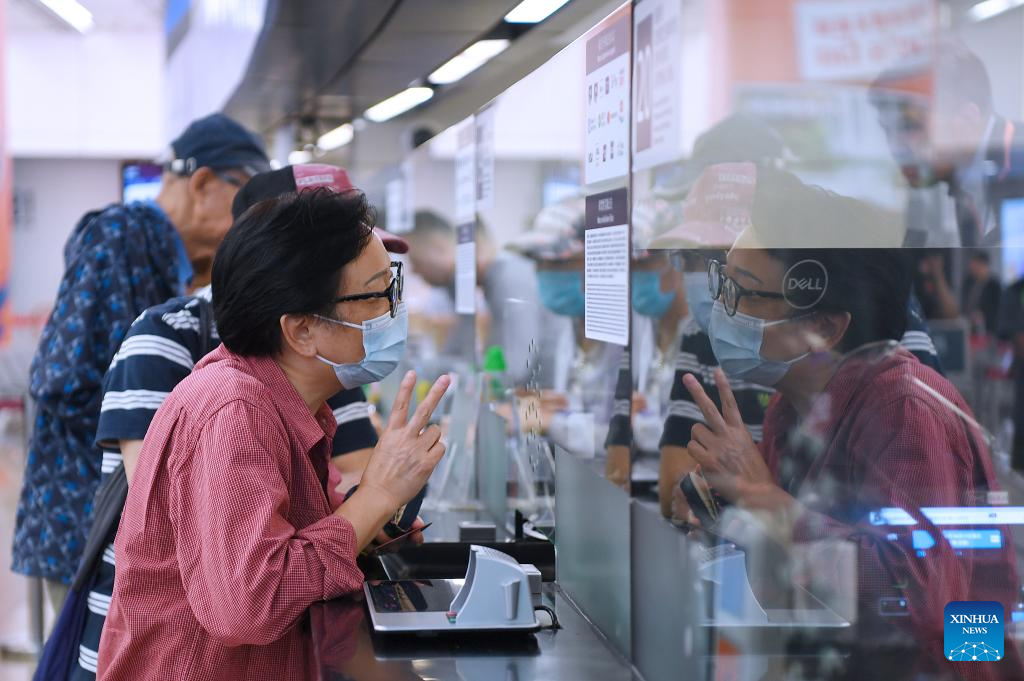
[(109, 15)]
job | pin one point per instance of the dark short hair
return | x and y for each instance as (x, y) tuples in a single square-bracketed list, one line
[(428, 222), (283, 256), (981, 256), (871, 284)]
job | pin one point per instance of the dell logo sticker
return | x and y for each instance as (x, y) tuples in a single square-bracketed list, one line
[(804, 284)]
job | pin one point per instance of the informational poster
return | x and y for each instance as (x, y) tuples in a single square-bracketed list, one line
[(485, 158), (606, 267), (465, 218), (394, 206), (465, 172), (465, 268), (657, 93), (408, 194), (839, 40), (606, 153)]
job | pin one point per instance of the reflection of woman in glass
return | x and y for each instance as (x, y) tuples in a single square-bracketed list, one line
[(857, 423)]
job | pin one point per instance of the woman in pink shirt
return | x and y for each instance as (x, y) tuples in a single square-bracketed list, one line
[(228, 536), (804, 305)]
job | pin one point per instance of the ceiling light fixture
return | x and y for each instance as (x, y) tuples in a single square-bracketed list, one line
[(299, 156), (339, 137), (468, 61), (398, 104), (533, 11), (991, 8), (71, 12)]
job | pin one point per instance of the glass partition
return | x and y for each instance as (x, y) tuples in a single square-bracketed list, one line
[(760, 264), (825, 306)]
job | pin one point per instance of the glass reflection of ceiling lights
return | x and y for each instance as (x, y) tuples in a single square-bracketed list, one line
[(533, 11), (396, 105), (467, 61), (71, 12), (991, 8), (336, 138)]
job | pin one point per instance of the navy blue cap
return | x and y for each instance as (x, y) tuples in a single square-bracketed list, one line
[(218, 143)]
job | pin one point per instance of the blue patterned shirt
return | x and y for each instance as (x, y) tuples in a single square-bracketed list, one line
[(117, 262)]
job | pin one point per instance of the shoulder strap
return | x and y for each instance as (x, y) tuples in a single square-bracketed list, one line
[(107, 508), (205, 327)]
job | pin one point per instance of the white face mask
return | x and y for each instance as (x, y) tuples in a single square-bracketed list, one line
[(383, 347), (736, 341)]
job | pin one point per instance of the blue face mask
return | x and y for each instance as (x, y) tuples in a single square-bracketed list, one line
[(562, 292), (383, 344), (698, 297), (737, 341), (648, 298)]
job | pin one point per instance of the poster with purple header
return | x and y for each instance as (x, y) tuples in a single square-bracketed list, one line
[(606, 267), (607, 83)]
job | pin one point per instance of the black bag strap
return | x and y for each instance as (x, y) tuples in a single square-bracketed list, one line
[(107, 509), (113, 492), (205, 327)]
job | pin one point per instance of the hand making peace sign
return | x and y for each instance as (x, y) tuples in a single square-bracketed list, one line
[(727, 454)]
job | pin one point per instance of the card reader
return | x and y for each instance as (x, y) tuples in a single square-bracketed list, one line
[(495, 595)]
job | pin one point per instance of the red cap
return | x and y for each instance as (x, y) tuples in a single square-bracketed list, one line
[(300, 177), (716, 210)]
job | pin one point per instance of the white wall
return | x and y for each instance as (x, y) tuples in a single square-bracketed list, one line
[(98, 95), (999, 42), (60, 192), (211, 60)]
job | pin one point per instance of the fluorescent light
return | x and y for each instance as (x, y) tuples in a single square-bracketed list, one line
[(338, 137), (991, 8), (468, 61), (299, 156), (533, 11), (398, 104), (71, 12)]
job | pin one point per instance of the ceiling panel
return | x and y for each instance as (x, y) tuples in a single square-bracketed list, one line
[(332, 59)]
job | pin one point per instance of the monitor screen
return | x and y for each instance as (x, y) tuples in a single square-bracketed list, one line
[(140, 181), (1011, 221)]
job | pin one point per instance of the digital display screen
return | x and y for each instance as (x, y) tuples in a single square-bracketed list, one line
[(951, 515), (1011, 222), (140, 181), (960, 539), (422, 595)]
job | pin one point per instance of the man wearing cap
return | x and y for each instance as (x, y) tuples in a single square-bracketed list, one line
[(505, 279), (158, 352), (118, 262)]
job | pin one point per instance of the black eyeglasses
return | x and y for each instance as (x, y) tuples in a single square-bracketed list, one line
[(721, 284), (393, 292)]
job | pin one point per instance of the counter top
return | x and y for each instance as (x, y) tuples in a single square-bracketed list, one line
[(346, 648)]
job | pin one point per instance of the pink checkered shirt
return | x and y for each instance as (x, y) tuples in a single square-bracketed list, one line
[(227, 536)]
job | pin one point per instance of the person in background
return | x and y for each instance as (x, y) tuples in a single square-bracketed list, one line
[(857, 424), (580, 372), (980, 297), (954, 137), (658, 302), (1011, 329), (228, 506), (933, 288), (159, 351), (117, 262), (506, 279)]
